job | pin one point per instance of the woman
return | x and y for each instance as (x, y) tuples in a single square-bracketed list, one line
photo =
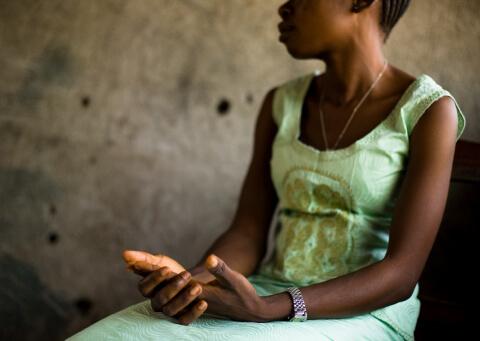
[(358, 162)]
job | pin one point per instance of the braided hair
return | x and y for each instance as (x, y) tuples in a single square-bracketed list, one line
[(392, 11)]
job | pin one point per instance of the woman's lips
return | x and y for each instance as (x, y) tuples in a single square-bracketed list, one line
[(285, 30), (284, 27)]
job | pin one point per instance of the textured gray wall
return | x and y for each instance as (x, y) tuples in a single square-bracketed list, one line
[(129, 124)]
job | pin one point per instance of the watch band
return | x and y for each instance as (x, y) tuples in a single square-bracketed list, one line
[(299, 313)]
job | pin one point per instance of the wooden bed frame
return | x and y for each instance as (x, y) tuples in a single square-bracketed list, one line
[(448, 281)]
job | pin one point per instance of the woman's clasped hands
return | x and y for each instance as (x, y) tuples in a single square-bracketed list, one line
[(167, 284), (173, 291)]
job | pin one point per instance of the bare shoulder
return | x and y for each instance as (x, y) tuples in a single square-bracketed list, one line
[(439, 121), (268, 99), (265, 125), (437, 127)]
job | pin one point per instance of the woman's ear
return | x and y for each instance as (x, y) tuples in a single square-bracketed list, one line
[(359, 5)]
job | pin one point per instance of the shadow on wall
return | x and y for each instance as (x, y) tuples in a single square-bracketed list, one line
[(29, 310)]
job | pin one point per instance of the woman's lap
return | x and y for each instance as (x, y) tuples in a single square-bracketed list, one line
[(140, 322)]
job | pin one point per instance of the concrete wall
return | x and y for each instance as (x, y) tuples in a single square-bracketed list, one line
[(129, 124)]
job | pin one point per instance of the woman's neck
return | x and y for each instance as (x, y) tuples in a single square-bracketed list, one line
[(349, 74)]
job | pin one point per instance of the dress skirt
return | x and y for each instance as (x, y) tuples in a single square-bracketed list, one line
[(140, 322)]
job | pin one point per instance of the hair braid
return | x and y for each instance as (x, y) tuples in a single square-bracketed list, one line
[(392, 11)]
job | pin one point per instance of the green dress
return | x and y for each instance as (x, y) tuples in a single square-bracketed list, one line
[(334, 212)]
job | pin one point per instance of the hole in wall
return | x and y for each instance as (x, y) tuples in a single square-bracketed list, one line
[(223, 106), (83, 305), (85, 101), (53, 237)]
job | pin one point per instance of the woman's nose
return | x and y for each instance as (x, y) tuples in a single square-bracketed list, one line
[(285, 10)]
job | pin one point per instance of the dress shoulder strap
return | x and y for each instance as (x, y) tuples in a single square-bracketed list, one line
[(286, 98), (424, 92)]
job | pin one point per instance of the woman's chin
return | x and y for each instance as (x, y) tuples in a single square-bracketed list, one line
[(297, 53)]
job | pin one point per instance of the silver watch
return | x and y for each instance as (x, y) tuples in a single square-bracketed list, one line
[(299, 313)]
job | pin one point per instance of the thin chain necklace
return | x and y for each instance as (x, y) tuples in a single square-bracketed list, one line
[(353, 112)]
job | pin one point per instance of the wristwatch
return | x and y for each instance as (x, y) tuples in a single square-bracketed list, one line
[(299, 313)]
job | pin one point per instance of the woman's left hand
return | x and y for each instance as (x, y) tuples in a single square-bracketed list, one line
[(231, 294)]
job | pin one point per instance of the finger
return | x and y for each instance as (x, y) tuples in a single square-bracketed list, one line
[(143, 269), (166, 293), (147, 285), (138, 271), (221, 271), (225, 275), (194, 313), (133, 256), (143, 266), (182, 299)]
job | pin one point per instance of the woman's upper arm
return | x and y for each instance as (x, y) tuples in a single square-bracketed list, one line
[(421, 203), (258, 198)]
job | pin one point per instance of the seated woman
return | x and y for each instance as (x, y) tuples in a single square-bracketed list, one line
[(358, 161)]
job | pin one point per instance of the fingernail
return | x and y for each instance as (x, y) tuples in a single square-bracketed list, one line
[(212, 261), (202, 305), (185, 275), (195, 291)]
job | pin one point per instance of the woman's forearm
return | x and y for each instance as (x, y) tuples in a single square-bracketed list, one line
[(372, 287), (239, 250)]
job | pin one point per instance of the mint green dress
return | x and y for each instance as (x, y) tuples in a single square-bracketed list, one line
[(334, 212)]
